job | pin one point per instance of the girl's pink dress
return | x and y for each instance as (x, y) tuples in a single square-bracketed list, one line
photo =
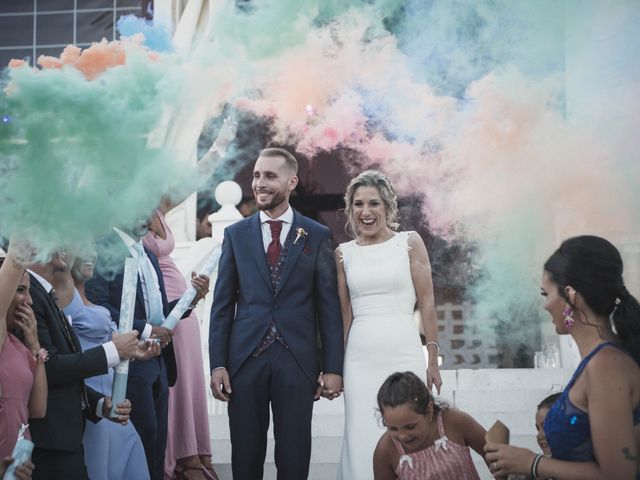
[(17, 371), (188, 432), (445, 460)]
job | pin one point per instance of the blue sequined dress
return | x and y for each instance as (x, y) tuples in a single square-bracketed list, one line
[(567, 427), (111, 451)]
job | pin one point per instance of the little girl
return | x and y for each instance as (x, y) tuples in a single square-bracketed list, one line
[(423, 440)]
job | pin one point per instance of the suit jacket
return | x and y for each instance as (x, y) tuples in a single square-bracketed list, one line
[(305, 304), (66, 369), (105, 288)]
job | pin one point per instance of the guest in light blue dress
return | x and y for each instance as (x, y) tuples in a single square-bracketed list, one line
[(111, 451)]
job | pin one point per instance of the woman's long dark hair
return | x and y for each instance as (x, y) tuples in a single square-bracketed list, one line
[(593, 267)]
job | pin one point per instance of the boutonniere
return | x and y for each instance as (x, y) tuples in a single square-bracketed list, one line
[(300, 233)]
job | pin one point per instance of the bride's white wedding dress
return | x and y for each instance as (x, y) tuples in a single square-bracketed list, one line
[(383, 339)]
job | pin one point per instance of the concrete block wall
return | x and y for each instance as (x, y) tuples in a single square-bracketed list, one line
[(510, 395)]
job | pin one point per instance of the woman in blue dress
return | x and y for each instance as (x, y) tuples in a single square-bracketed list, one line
[(111, 451), (593, 429)]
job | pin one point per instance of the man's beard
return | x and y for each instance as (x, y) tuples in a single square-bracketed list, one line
[(277, 199)]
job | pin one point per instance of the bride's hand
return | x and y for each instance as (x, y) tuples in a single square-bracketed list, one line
[(433, 378)]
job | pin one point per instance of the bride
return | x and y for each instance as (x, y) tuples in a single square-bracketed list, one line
[(382, 274)]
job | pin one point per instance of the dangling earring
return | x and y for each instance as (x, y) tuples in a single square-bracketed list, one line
[(568, 317)]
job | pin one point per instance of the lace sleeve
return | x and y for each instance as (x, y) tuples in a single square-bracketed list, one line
[(405, 238), (343, 252)]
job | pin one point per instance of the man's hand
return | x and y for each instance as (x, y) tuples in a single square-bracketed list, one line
[(220, 384), (147, 349), (201, 284), (162, 333), (123, 410), (126, 344), (332, 386)]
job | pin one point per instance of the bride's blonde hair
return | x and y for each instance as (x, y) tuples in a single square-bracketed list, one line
[(377, 179)]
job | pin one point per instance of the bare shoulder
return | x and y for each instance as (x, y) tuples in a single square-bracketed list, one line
[(386, 450), (612, 365), (457, 421)]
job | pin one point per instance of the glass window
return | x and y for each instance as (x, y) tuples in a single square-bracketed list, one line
[(16, 6), (49, 5), (20, 53), (93, 26), (82, 4), (16, 31), (54, 29)]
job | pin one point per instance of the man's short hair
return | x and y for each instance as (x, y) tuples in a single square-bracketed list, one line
[(289, 159)]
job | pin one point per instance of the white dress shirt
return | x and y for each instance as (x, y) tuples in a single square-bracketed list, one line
[(287, 220)]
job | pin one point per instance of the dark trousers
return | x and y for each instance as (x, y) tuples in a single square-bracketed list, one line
[(273, 378), (56, 464), (148, 390)]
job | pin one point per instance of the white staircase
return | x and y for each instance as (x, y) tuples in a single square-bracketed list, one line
[(510, 395)]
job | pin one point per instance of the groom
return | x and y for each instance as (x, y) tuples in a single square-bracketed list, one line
[(276, 289)]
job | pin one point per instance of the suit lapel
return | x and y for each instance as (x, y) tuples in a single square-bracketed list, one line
[(254, 236), (62, 322), (294, 250)]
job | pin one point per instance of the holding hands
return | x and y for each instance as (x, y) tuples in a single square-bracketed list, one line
[(329, 386)]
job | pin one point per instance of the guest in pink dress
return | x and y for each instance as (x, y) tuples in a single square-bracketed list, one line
[(424, 441), (188, 453), (23, 383)]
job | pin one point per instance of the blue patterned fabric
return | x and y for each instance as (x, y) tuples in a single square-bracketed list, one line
[(567, 427), (275, 272)]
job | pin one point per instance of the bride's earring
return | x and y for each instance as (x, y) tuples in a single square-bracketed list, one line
[(568, 317)]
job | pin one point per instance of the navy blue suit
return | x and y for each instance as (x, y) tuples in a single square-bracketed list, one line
[(305, 308), (149, 381)]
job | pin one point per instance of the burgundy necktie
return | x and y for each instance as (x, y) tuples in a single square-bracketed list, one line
[(274, 248)]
